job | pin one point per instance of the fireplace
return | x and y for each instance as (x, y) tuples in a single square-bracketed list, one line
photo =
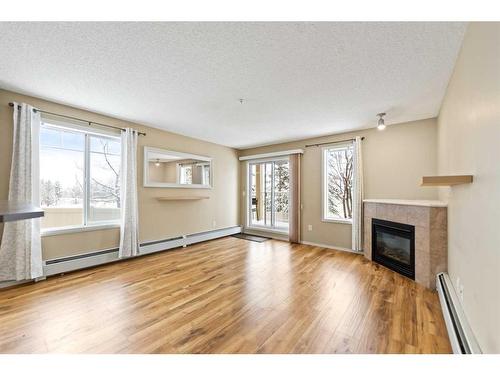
[(393, 246)]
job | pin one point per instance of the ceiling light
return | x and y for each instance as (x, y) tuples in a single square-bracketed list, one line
[(157, 164), (380, 122)]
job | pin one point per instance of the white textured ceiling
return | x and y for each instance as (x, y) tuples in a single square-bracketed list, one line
[(298, 79)]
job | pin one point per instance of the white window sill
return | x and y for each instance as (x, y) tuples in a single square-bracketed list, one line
[(337, 221), (78, 229)]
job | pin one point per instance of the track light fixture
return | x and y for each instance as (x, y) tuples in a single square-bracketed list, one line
[(381, 122)]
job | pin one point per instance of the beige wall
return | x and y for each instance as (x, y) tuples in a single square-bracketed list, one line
[(468, 143), (158, 220), (157, 173), (394, 162)]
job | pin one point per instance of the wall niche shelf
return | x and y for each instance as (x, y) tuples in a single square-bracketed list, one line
[(182, 198), (446, 180)]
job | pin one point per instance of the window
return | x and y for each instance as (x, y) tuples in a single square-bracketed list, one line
[(104, 175), (338, 172), (186, 174), (269, 194), (79, 176), (206, 174)]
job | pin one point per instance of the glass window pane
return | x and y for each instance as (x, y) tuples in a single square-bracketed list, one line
[(260, 205), (339, 174), (269, 194), (73, 141), (254, 199), (281, 190), (206, 175), (268, 183), (104, 176), (61, 179), (111, 146), (50, 136), (186, 174)]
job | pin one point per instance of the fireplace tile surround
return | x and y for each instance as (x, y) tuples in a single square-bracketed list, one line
[(430, 221)]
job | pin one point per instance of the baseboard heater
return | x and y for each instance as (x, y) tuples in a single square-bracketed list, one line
[(72, 263), (461, 336)]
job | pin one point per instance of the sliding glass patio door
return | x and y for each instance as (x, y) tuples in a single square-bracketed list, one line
[(269, 194)]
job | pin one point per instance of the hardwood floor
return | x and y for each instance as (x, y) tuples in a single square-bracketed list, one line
[(226, 296)]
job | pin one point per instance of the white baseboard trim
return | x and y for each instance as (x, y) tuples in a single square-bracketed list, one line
[(330, 247), (72, 263), (462, 338), (155, 246)]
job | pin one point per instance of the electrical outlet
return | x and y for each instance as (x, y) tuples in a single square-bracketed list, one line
[(310, 227)]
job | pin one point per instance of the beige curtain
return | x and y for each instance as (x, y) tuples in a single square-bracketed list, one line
[(294, 203), (129, 227), (20, 250)]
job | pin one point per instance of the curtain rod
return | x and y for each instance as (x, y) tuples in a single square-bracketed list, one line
[(78, 119), (331, 143)]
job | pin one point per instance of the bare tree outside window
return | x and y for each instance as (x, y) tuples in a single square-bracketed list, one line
[(105, 187), (75, 192), (50, 192), (339, 180)]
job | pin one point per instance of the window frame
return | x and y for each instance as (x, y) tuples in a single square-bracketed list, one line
[(205, 168), (249, 224), (324, 190), (55, 122)]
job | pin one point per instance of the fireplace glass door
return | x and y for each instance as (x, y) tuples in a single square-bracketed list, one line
[(393, 245)]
